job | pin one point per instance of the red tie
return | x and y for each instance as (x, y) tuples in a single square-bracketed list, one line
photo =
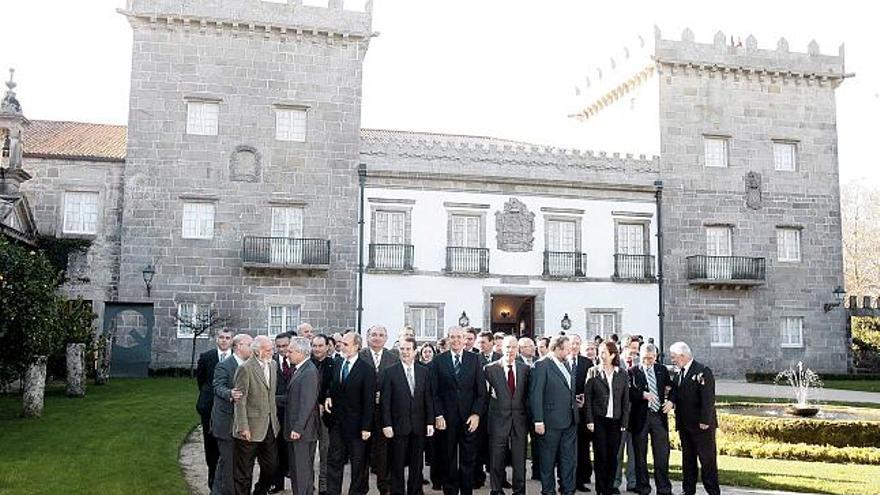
[(511, 382), (285, 369)]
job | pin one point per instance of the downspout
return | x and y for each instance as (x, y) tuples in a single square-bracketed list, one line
[(658, 196), (362, 182)]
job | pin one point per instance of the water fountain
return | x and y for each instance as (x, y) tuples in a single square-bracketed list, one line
[(801, 380)]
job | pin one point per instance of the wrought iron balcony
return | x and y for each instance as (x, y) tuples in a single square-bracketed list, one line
[(634, 267), (467, 260), (561, 264), (734, 271), (286, 253), (391, 257)]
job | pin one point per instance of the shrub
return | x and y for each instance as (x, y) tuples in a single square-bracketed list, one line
[(758, 449), (837, 433)]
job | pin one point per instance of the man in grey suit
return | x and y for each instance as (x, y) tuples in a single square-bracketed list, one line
[(301, 416), (508, 380), (256, 418), (554, 408), (225, 397)]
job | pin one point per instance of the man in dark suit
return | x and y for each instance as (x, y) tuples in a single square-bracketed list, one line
[(301, 416), (527, 355), (648, 384), (554, 408), (322, 347), (509, 410), (284, 371), (205, 379), (255, 418), (222, 412), (407, 418), (486, 346), (459, 401), (381, 358), (351, 399), (579, 367), (693, 393)]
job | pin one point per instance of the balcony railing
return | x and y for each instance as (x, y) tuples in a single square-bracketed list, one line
[(467, 260), (633, 266), (391, 257), (564, 264), (285, 252), (725, 270)]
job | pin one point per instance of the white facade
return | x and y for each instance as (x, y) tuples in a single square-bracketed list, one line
[(388, 294)]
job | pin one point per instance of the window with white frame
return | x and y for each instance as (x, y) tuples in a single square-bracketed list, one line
[(390, 227), (466, 231), (792, 331), (282, 319), (425, 320), (202, 117), (784, 156), (721, 327), (80, 212), (198, 220), (603, 323), (191, 316), (290, 124), (788, 244), (631, 238), (561, 236), (715, 151)]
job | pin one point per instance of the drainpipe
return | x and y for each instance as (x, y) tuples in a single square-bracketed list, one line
[(658, 196), (362, 181)]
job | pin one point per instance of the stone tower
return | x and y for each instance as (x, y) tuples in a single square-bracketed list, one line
[(751, 203), (243, 128)]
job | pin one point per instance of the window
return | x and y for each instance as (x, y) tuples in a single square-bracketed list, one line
[(202, 117), (722, 330), (561, 236), (719, 264), (785, 156), (283, 319), (198, 220), (465, 231), (424, 320), (792, 332), (788, 244), (715, 150), (390, 227), (290, 124), (630, 238), (193, 314), (80, 212), (286, 243), (603, 323)]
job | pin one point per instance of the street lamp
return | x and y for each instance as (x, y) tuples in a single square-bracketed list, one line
[(838, 297), (463, 320), (566, 322), (148, 274)]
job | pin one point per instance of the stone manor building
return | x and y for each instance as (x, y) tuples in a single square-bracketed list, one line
[(244, 184)]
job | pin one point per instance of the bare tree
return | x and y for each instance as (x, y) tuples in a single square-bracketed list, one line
[(202, 323), (860, 212)]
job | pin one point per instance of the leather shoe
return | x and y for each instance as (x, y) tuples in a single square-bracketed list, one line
[(506, 484), (583, 488), (275, 489)]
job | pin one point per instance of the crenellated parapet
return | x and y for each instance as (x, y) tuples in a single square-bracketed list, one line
[(726, 57), (335, 22)]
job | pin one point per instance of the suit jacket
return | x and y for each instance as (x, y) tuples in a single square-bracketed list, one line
[(520, 359), (353, 399), (457, 397), (301, 411), (256, 410), (223, 410), (582, 366), (597, 395), (408, 413), (281, 388), (509, 414), (495, 356), (205, 379), (551, 396), (387, 360), (694, 398), (638, 385)]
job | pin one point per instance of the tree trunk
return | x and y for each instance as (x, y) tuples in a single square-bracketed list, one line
[(102, 371), (192, 357), (34, 388), (76, 383)]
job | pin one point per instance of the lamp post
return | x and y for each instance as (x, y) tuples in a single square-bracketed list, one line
[(838, 299), (148, 274), (566, 322)]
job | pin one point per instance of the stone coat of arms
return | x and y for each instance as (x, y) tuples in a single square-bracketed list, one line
[(515, 227)]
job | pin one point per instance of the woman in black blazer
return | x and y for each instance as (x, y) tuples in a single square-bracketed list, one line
[(607, 383)]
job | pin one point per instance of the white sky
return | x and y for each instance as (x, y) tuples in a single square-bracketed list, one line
[(504, 68)]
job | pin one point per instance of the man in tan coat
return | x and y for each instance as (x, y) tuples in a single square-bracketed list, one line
[(255, 419)]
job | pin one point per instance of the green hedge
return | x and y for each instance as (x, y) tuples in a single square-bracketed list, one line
[(761, 377), (837, 433), (760, 449)]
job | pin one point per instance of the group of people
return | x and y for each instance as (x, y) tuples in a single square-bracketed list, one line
[(475, 402)]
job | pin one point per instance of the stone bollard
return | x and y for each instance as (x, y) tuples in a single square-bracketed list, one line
[(34, 388), (76, 379), (102, 371)]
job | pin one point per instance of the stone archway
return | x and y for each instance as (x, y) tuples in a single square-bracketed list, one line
[(130, 348)]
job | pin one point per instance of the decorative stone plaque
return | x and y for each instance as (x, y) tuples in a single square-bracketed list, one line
[(244, 164), (515, 227), (753, 190)]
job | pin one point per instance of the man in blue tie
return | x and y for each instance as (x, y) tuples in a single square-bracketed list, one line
[(649, 386)]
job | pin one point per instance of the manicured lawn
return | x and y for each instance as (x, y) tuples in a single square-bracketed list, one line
[(123, 438), (860, 385)]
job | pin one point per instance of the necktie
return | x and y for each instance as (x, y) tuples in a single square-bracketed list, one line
[(511, 381), (345, 371), (652, 387), (456, 365), (285, 369), (411, 379), (377, 360), (568, 368), (223, 356)]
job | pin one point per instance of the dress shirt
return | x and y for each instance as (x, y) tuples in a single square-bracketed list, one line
[(564, 370), (609, 413), (684, 371), (505, 364), (222, 355), (238, 360), (351, 362)]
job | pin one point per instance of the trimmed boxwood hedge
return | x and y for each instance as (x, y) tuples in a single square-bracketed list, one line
[(761, 449), (836, 433)]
